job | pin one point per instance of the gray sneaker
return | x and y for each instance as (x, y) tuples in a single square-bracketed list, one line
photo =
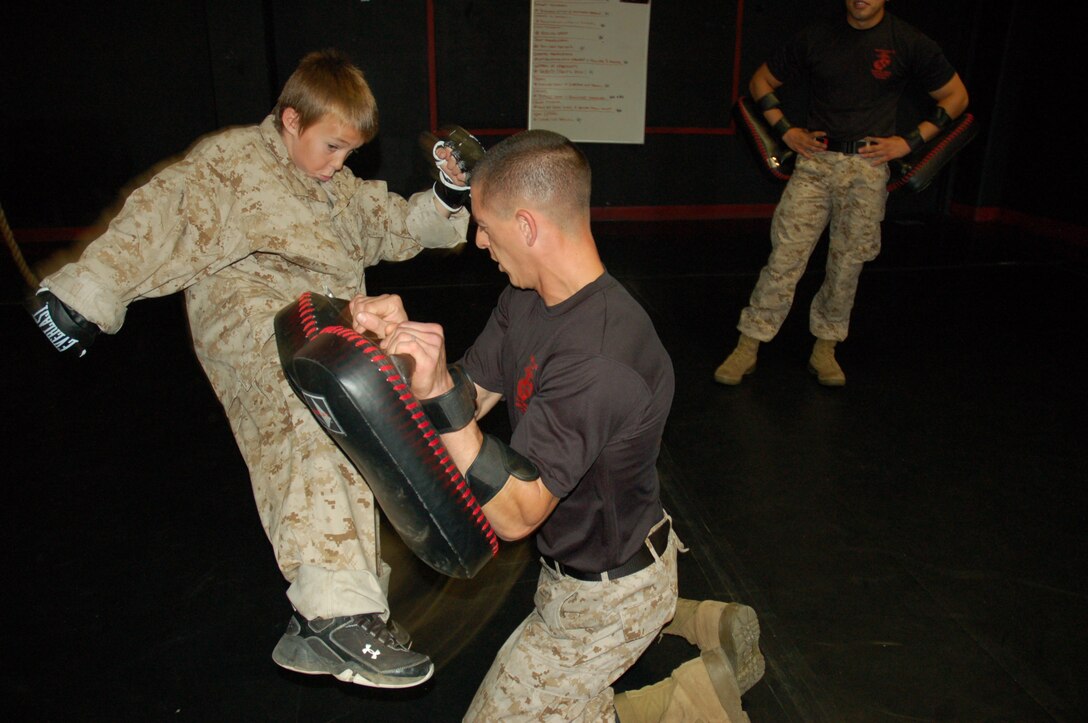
[(356, 649)]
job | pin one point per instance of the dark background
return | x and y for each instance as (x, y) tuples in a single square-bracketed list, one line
[(96, 93), (912, 542)]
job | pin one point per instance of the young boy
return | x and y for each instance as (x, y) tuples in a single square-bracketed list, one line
[(248, 220)]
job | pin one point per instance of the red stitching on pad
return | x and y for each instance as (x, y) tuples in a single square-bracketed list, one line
[(764, 151), (968, 121), (455, 481)]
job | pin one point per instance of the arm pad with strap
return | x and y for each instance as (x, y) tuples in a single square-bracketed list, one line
[(494, 465)]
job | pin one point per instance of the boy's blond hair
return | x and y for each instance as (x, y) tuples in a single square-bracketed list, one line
[(327, 83)]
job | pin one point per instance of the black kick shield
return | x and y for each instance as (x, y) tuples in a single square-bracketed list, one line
[(362, 398), (917, 170), (773, 154)]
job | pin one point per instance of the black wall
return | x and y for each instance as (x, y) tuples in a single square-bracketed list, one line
[(95, 94)]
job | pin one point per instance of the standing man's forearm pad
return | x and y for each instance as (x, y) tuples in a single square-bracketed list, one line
[(495, 464)]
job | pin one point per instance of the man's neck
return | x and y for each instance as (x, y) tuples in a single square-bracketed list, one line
[(578, 268)]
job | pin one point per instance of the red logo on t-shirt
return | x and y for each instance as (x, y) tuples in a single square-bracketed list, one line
[(882, 63), (525, 386)]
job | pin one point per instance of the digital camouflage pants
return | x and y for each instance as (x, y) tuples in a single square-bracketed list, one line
[(845, 194), (317, 510), (560, 663)]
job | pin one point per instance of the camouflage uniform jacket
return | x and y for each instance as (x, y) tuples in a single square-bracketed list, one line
[(239, 228)]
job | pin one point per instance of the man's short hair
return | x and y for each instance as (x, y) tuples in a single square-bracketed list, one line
[(327, 83), (538, 166)]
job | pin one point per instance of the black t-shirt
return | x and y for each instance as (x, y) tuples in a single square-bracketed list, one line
[(588, 386), (856, 76)]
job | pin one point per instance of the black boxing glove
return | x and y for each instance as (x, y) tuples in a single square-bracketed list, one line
[(66, 329)]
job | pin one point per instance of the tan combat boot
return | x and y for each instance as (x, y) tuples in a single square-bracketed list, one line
[(822, 363), (702, 690), (732, 627), (740, 363)]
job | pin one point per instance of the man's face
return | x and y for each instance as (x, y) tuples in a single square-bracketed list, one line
[(320, 150), (863, 14), (500, 237)]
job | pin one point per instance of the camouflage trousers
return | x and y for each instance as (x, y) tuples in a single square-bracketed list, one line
[(316, 509), (846, 192), (560, 663)]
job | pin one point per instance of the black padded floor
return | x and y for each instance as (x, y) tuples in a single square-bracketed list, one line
[(913, 543)]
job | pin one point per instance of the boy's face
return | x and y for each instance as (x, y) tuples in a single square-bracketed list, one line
[(320, 150)]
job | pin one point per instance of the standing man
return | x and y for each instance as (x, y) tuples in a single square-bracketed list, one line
[(856, 72), (588, 387)]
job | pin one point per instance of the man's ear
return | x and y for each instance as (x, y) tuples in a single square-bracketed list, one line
[(526, 226)]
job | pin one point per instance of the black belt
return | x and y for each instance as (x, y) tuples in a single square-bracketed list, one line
[(847, 146), (658, 539)]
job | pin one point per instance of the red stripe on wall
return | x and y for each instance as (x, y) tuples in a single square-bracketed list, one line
[(736, 57), (56, 235), (1046, 227), (708, 212), (432, 67)]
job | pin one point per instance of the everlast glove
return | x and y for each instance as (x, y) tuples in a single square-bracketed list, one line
[(65, 328)]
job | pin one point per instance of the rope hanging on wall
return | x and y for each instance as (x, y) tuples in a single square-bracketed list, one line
[(16, 253)]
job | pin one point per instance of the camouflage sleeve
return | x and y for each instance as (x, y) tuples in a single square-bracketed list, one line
[(431, 228), (166, 237), (396, 229)]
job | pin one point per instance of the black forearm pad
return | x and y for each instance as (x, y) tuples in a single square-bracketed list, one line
[(495, 464), (771, 152), (939, 117), (916, 171), (65, 328), (782, 126), (453, 198), (768, 102), (453, 410)]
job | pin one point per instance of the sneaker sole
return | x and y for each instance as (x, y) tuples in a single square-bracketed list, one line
[(292, 653), (738, 632)]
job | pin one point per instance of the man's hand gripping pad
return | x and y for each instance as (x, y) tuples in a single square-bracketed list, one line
[(364, 401)]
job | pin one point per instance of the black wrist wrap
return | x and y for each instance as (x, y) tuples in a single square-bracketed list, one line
[(495, 464), (768, 102), (782, 126), (914, 140), (453, 410)]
